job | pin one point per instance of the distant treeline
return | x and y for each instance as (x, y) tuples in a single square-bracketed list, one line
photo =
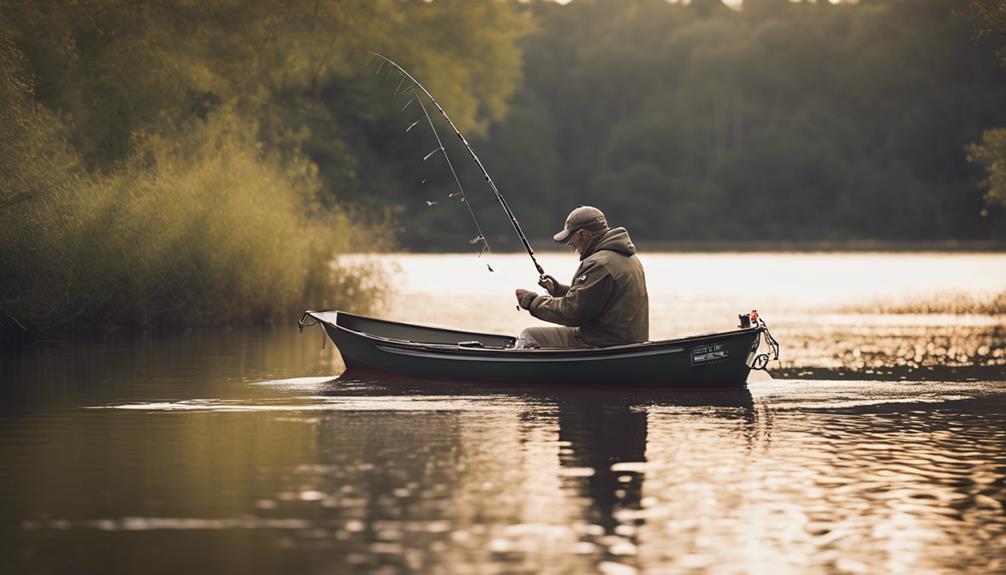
[(787, 121)]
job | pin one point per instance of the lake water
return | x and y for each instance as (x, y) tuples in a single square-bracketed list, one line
[(877, 447)]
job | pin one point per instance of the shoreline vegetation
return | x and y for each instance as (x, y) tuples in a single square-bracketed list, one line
[(170, 165), (202, 229)]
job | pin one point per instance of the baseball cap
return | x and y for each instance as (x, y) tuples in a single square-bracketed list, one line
[(582, 218)]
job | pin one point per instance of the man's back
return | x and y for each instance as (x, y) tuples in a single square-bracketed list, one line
[(607, 300)]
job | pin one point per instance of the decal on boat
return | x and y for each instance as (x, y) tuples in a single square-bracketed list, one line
[(711, 353)]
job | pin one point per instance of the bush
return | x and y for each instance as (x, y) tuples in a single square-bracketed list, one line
[(202, 227)]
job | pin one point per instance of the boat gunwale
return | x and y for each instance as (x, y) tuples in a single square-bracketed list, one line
[(454, 349)]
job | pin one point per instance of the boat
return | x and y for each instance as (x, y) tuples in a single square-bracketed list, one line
[(389, 349)]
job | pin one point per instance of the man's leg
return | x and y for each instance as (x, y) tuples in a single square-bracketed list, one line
[(550, 338)]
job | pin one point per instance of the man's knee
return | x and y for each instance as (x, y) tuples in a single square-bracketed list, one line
[(527, 338), (549, 337)]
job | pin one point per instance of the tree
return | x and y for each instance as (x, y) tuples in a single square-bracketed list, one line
[(993, 13), (990, 153)]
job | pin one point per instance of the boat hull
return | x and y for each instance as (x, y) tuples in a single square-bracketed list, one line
[(376, 347)]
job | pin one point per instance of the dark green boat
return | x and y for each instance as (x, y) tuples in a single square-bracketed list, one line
[(385, 348)]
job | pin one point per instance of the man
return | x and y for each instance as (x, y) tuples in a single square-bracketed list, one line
[(606, 303)]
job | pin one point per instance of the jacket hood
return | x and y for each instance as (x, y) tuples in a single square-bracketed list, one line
[(616, 240)]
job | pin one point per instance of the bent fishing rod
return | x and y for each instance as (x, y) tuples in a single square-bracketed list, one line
[(492, 185)]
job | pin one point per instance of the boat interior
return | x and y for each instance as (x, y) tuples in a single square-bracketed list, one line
[(423, 334), (443, 337)]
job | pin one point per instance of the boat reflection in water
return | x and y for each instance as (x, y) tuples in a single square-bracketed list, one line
[(575, 465), (606, 435)]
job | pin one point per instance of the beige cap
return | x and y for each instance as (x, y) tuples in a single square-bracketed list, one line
[(582, 218)]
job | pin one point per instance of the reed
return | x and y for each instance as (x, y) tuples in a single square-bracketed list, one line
[(203, 227)]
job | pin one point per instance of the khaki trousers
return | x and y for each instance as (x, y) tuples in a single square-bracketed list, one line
[(551, 338)]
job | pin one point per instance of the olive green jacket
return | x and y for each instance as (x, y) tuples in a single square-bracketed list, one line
[(607, 301)]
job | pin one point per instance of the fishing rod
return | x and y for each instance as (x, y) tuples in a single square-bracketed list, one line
[(492, 186)]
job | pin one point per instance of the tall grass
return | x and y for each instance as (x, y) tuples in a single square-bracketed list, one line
[(203, 227)]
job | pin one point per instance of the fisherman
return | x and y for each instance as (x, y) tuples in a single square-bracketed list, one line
[(606, 303)]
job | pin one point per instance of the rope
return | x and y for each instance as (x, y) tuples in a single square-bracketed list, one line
[(308, 320), (761, 360)]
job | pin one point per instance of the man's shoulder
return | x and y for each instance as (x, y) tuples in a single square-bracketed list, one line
[(607, 257), (593, 267), (615, 264), (595, 260)]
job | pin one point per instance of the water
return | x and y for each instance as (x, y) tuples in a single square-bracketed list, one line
[(878, 447)]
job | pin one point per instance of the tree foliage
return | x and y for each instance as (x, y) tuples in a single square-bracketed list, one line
[(992, 16), (990, 152), (782, 120), (195, 162)]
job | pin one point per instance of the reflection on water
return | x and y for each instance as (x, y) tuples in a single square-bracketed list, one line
[(932, 350), (241, 451), (798, 476)]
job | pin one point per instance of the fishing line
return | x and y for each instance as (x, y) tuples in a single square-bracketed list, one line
[(492, 186), (478, 227)]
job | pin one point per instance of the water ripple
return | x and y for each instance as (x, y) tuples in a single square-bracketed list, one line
[(323, 403)]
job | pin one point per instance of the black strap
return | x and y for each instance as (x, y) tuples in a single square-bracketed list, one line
[(761, 360), (308, 320)]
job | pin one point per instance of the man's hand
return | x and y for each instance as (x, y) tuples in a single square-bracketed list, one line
[(552, 286), (525, 297)]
